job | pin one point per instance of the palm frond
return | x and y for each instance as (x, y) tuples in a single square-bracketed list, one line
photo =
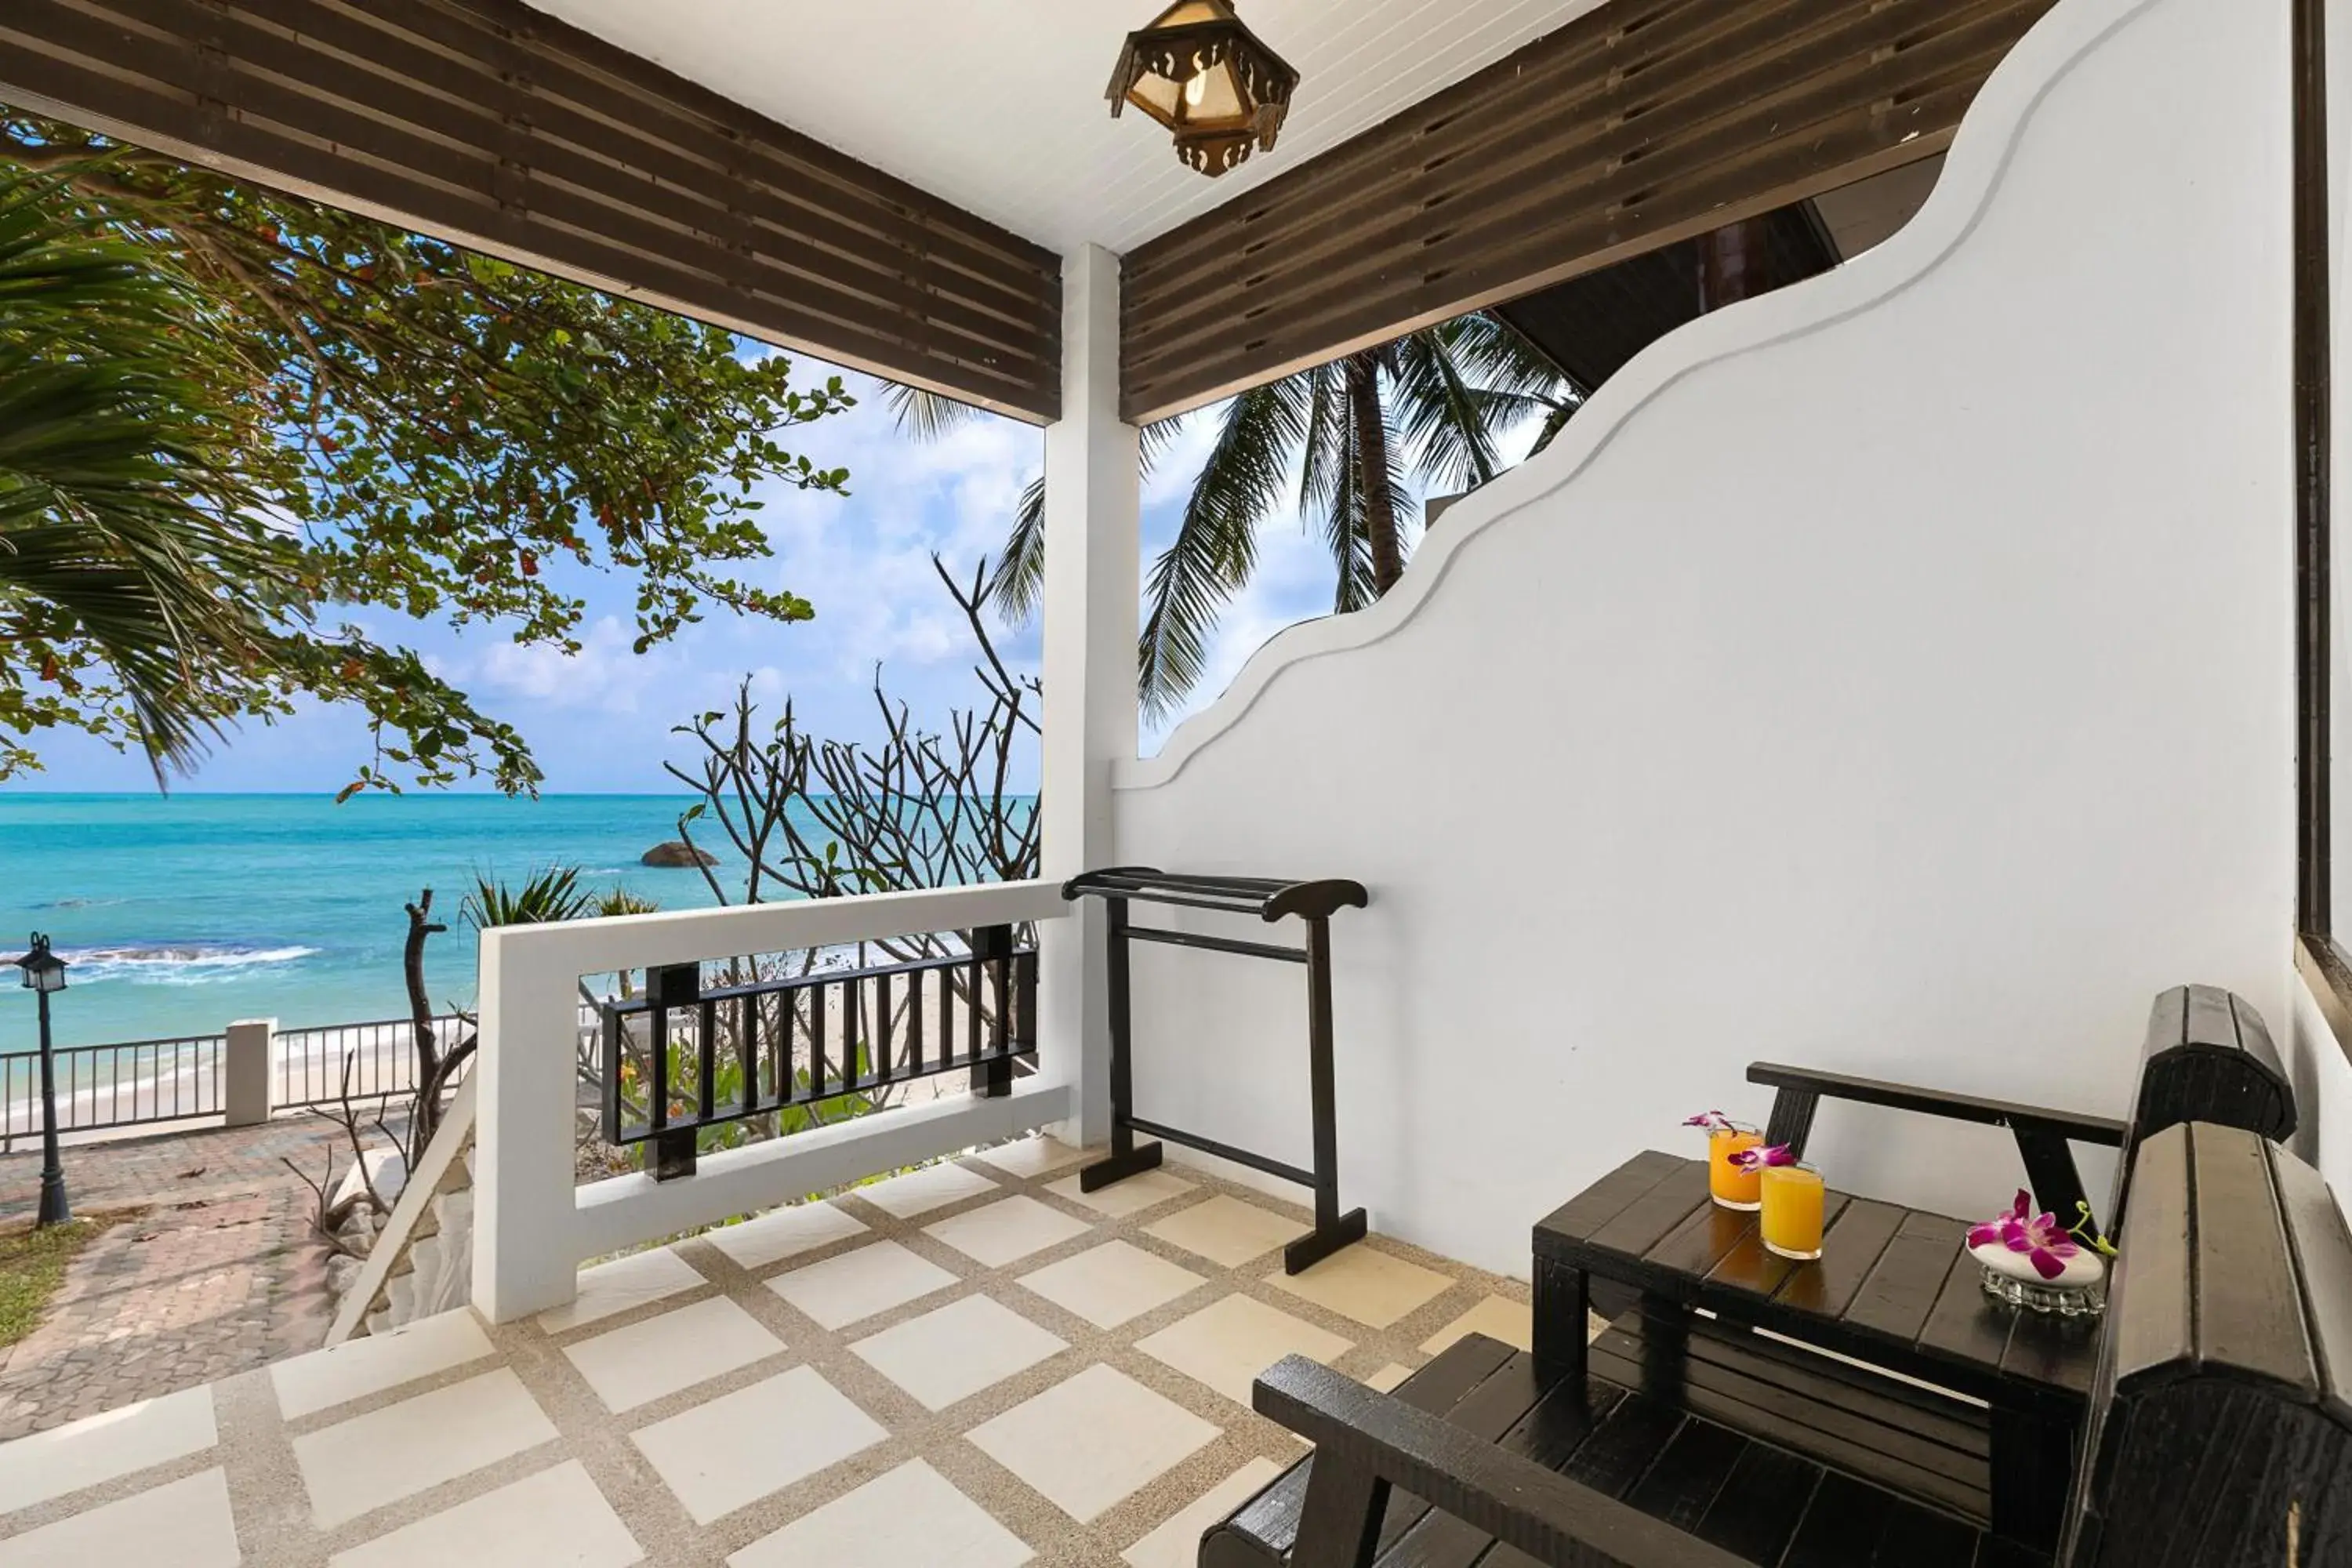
[(1019, 575), (926, 415)]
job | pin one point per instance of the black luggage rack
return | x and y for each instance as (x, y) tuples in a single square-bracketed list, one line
[(1271, 899)]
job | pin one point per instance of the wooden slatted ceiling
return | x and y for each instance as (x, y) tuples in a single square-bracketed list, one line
[(1637, 124), (493, 126)]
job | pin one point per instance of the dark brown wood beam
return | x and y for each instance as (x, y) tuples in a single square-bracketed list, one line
[(1638, 124), (494, 126)]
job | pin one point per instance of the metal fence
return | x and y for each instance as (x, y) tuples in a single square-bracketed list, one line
[(382, 1053), (127, 1084)]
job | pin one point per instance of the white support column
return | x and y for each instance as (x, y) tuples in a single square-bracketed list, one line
[(1093, 585), (525, 1222)]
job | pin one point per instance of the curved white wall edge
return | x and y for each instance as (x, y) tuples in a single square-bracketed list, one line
[(1980, 156)]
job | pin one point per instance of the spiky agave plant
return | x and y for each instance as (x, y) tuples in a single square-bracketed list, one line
[(554, 893)]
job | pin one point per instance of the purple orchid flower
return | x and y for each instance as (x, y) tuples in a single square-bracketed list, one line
[(1757, 1159), (1713, 1120), (2044, 1242)]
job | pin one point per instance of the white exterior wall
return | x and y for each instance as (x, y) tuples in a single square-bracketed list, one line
[(1891, 674)]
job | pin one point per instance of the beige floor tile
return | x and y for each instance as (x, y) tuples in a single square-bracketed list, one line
[(1177, 1543), (1031, 1157), (1513, 1322), (1109, 1284), (626, 1283), (556, 1519), (1387, 1379), (954, 1353), (358, 1367), (1001, 1233), (741, 1446), (1092, 1440), (1123, 1199), (933, 1187), (911, 1515), (784, 1233), (362, 1464), (1371, 1287), (1228, 1343), (101, 1448), (856, 1285), (1226, 1231), (186, 1524), (632, 1366)]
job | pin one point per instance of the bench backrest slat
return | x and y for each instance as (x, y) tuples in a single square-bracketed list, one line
[(2220, 1432)]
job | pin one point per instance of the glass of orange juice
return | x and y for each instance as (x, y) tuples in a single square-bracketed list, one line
[(1791, 1196), (1731, 1186)]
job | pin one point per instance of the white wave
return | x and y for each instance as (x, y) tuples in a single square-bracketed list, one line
[(176, 963)]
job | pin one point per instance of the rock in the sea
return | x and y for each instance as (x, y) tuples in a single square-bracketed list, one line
[(677, 852)]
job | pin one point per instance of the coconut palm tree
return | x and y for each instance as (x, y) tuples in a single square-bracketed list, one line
[(124, 531), (1431, 405)]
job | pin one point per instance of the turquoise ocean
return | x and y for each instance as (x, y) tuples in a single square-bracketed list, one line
[(181, 913)]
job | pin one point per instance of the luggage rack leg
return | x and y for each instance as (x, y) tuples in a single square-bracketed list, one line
[(1126, 1158), (1333, 1230)]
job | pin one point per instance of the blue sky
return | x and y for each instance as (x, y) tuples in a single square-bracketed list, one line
[(600, 721)]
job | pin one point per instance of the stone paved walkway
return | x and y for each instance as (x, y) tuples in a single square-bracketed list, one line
[(215, 1275)]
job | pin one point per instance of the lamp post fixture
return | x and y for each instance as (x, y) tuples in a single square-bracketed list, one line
[(1207, 78), (45, 973)]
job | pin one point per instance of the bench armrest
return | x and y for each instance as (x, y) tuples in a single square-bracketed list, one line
[(1367, 1442), (2082, 1129), (2043, 1134)]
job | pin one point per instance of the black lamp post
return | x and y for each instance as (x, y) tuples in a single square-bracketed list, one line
[(45, 973)]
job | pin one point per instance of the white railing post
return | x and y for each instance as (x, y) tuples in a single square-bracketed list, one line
[(245, 1072), (1093, 539), (524, 1219)]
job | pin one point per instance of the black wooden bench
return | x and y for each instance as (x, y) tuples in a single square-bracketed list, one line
[(2221, 1433), (2207, 1057)]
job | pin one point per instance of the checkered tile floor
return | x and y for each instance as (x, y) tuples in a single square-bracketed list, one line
[(968, 1366)]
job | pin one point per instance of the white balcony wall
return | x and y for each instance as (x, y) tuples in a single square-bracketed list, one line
[(1892, 674), (532, 1228)]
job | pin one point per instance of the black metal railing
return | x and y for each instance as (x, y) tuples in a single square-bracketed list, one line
[(126, 1083), (683, 1057), (382, 1052)]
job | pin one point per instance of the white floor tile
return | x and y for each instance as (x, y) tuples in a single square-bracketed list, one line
[(1031, 1157), (1109, 1284), (1177, 1543), (1001, 1233), (362, 1464), (1228, 1343), (359, 1367), (1371, 1287), (625, 1283), (1386, 1380), (933, 1187), (786, 1233), (954, 1353), (556, 1519), (1228, 1231), (1123, 1199), (1513, 1322), (741, 1446), (101, 1448), (912, 1515), (1093, 1440), (186, 1524), (856, 1285), (632, 1366)]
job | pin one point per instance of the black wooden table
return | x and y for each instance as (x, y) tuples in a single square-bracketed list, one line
[(1893, 1287)]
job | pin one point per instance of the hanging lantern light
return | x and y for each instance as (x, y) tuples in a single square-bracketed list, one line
[(1207, 78)]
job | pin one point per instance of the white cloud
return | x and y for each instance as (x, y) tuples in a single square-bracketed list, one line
[(604, 675)]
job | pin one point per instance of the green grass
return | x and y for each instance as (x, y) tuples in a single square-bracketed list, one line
[(33, 1265)]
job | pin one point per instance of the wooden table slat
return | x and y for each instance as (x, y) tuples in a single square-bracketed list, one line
[(1849, 1252), (1967, 1324), (1647, 1219), (1700, 1242), (1605, 1199), (1900, 1291)]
